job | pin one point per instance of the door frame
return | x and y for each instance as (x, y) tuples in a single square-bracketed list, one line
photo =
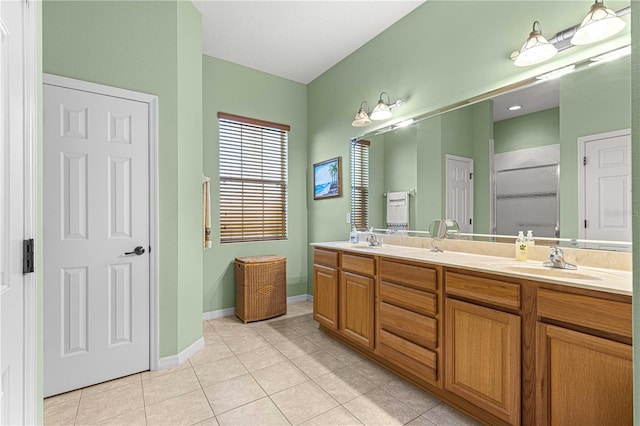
[(582, 147), (30, 283), (152, 101), (446, 183)]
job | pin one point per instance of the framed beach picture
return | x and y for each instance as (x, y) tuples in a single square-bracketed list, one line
[(327, 179)]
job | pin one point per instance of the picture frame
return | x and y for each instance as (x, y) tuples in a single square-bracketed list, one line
[(327, 179)]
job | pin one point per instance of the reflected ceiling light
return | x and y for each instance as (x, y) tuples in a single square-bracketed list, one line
[(382, 111), (611, 56), (599, 24), (404, 123), (535, 50), (552, 75), (362, 117), (514, 107)]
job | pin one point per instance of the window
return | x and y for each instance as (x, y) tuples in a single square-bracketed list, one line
[(253, 179), (360, 184)]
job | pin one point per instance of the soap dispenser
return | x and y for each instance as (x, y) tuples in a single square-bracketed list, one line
[(530, 241), (353, 235), (521, 247)]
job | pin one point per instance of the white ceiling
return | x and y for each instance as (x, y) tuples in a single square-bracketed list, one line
[(297, 40), (540, 96)]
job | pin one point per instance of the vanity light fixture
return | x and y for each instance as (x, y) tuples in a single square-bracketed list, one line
[(535, 50), (599, 24), (362, 117), (382, 111), (514, 107), (552, 75)]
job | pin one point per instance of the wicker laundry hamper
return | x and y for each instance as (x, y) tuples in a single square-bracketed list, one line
[(261, 287)]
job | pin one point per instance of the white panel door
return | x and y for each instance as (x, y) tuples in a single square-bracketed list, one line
[(12, 125), (96, 212), (608, 189), (460, 191)]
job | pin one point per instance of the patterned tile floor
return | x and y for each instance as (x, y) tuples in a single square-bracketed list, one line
[(278, 372)]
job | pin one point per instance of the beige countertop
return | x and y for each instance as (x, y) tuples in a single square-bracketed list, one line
[(609, 280)]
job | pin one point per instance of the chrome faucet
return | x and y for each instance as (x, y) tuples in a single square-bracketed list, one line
[(372, 239), (556, 260)]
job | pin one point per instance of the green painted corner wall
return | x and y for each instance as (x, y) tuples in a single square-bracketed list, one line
[(235, 89), (190, 252), (134, 45)]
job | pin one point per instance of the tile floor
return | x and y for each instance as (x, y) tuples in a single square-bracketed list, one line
[(278, 372)]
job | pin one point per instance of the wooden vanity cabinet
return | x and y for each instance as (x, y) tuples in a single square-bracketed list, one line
[(356, 299), (408, 318), (325, 288), (582, 377), (482, 344)]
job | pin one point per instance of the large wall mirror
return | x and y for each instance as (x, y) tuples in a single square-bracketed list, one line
[(553, 156)]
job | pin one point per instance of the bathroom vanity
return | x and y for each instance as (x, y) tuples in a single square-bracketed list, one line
[(506, 342)]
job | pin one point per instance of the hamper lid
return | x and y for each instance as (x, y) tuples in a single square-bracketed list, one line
[(260, 259)]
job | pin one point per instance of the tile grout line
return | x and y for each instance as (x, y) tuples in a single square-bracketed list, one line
[(203, 392)]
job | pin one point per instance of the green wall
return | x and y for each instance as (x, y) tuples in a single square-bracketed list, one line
[(135, 45), (527, 131), (592, 101), (243, 91), (400, 168)]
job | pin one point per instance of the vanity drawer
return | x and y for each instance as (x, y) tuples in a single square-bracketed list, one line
[(495, 292), (325, 257), (409, 298), (598, 314), (413, 358), (359, 264), (416, 328), (420, 277)]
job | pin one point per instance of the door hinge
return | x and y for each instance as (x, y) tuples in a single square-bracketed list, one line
[(27, 256), (584, 161), (470, 176), (585, 223), (470, 221)]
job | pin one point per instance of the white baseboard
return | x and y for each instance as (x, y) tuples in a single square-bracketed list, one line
[(228, 312), (175, 360), (296, 299)]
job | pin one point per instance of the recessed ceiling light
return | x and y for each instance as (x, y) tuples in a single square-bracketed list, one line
[(515, 107)]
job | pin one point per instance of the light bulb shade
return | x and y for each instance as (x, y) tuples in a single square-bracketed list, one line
[(599, 24), (381, 111), (535, 50), (361, 119)]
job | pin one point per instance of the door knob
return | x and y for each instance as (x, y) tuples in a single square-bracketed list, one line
[(137, 251)]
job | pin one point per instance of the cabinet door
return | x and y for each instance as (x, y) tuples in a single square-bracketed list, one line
[(582, 379), (325, 296), (482, 353), (356, 308)]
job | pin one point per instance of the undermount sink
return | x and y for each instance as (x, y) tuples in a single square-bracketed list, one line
[(549, 272)]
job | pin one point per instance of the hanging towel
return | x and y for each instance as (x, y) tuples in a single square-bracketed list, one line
[(206, 211), (398, 210)]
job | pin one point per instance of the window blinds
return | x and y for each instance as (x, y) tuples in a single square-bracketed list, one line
[(253, 179), (360, 184)]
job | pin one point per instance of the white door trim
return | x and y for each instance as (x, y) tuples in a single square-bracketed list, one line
[(471, 205), (30, 211), (582, 143), (152, 101)]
